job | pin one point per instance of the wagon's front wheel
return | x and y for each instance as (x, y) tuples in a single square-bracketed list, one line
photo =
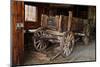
[(40, 45), (68, 44)]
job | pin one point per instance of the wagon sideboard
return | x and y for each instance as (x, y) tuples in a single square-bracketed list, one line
[(60, 23), (60, 29)]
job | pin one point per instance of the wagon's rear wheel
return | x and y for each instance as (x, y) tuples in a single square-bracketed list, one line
[(86, 31), (68, 44), (39, 44)]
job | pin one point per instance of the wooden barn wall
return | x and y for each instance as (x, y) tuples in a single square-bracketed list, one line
[(78, 11), (41, 8)]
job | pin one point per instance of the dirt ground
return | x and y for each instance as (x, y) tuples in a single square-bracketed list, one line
[(80, 52)]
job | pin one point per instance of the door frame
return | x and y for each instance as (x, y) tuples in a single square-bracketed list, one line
[(17, 32)]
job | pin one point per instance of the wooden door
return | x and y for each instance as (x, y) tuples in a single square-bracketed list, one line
[(17, 13)]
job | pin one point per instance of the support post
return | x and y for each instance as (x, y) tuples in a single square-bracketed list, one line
[(59, 27), (69, 21)]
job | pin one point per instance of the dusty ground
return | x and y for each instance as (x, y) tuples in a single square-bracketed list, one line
[(81, 52)]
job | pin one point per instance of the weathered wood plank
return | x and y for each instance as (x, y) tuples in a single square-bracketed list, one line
[(57, 22), (60, 20), (69, 20)]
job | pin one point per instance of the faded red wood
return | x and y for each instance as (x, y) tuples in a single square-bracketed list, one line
[(17, 34)]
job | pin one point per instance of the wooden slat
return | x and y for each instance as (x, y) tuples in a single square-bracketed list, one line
[(44, 20), (57, 21), (60, 20), (69, 20)]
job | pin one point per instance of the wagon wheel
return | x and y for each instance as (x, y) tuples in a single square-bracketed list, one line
[(86, 31), (39, 44), (39, 33), (68, 44)]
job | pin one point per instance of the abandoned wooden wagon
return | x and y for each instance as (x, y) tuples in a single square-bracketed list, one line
[(60, 29), (45, 23)]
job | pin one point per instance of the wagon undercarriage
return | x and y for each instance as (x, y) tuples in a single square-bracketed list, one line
[(41, 39)]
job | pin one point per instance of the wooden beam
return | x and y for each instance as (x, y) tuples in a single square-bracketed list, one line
[(69, 20), (44, 20), (57, 22), (80, 34), (59, 27)]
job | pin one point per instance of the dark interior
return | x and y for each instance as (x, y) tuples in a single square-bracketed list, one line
[(56, 9)]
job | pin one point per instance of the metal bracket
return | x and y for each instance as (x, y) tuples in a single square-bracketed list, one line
[(19, 25)]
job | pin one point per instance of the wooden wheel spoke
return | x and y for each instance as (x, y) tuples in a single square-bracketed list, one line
[(45, 45), (69, 51), (35, 34), (39, 44), (68, 37), (71, 45), (38, 34), (43, 33), (35, 41)]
